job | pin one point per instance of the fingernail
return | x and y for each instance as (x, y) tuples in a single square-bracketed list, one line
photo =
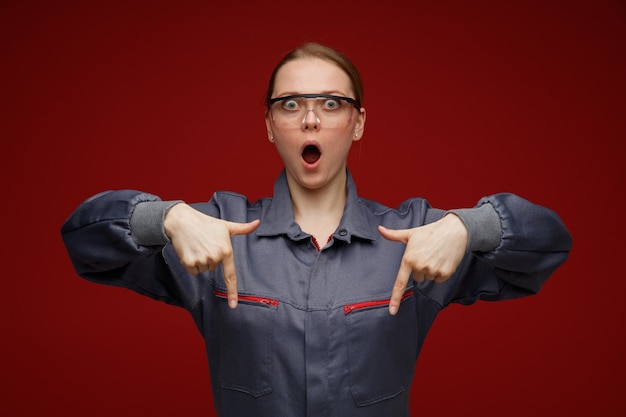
[(393, 310), (232, 303)]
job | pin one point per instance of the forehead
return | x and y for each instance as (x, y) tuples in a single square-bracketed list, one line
[(311, 75)]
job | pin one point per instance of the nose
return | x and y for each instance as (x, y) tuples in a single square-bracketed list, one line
[(310, 121)]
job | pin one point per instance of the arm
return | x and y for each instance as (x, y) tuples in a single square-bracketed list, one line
[(117, 238), (533, 244), (508, 249), (107, 244)]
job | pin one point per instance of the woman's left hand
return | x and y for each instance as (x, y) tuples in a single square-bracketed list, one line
[(433, 252)]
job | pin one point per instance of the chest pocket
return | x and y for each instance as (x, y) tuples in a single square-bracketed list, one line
[(245, 340), (382, 349)]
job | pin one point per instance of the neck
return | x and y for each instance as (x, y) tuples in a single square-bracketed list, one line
[(319, 211)]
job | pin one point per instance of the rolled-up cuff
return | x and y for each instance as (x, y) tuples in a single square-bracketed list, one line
[(146, 222), (484, 228)]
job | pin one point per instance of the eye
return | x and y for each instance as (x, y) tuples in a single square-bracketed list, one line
[(331, 104), (291, 105)]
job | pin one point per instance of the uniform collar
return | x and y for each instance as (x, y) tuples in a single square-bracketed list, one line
[(279, 217)]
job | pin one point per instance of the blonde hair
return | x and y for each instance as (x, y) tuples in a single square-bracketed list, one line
[(315, 50)]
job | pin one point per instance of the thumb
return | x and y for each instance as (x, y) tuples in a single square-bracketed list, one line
[(242, 228), (397, 235)]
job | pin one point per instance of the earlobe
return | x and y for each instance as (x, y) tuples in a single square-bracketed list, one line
[(270, 135), (358, 129)]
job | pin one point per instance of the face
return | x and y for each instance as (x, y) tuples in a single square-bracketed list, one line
[(314, 148)]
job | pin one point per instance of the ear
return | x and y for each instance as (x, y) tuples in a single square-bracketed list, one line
[(359, 127), (268, 126)]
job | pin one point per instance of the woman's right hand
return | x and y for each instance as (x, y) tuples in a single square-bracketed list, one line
[(203, 242)]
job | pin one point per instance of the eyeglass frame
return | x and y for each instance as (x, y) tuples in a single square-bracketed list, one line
[(353, 102)]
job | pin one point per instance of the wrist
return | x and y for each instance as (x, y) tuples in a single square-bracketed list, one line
[(147, 222), (171, 218), (484, 229)]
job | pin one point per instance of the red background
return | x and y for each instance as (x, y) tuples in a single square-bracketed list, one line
[(464, 99)]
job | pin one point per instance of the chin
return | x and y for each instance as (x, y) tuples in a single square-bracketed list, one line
[(316, 179)]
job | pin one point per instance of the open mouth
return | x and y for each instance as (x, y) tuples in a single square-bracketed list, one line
[(311, 154)]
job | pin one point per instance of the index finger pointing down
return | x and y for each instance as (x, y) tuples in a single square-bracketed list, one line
[(398, 288), (230, 278)]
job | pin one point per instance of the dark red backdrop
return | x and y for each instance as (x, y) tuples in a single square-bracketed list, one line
[(464, 99)]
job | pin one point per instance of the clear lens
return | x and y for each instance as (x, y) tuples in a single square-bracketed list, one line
[(292, 111)]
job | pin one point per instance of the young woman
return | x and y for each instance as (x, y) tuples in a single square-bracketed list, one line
[(315, 301)]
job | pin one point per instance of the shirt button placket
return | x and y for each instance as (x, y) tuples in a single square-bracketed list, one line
[(316, 339)]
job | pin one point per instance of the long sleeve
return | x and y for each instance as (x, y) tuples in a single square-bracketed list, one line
[(101, 243), (533, 243)]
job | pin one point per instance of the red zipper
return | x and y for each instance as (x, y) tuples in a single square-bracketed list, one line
[(317, 244), (254, 299), (375, 303)]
